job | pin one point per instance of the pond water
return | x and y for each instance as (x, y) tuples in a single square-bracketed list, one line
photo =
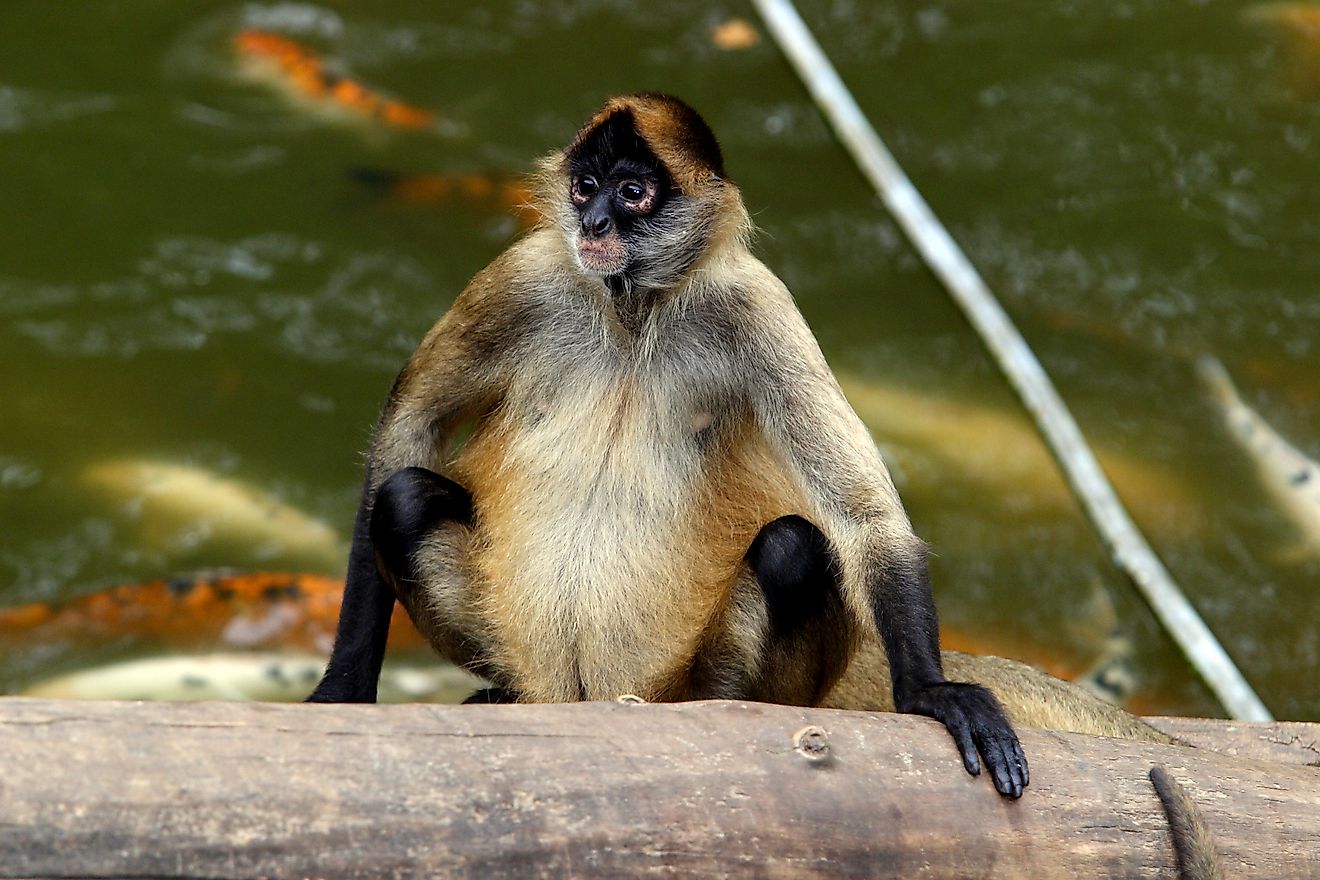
[(195, 276)]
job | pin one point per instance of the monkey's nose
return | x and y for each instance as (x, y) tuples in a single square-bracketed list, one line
[(596, 225)]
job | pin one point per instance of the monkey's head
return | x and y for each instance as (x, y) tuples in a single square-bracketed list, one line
[(640, 193)]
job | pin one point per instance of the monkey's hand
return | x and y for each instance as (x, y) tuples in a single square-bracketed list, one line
[(977, 724)]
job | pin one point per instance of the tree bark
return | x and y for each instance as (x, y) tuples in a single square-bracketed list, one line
[(607, 790), (1289, 742)]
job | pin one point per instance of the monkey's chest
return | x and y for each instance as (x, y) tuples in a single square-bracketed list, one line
[(590, 566)]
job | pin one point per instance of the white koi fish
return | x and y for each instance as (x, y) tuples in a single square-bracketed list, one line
[(1292, 478), (235, 676)]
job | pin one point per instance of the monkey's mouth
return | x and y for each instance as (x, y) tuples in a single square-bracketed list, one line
[(608, 255)]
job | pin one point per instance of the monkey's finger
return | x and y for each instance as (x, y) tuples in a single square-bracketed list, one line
[(999, 768), (961, 731), (997, 742), (1011, 769), (1021, 759)]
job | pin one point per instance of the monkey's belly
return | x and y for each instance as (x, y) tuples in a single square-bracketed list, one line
[(598, 572)]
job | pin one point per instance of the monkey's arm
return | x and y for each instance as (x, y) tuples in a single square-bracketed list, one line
[(885, 575), (451, 377)]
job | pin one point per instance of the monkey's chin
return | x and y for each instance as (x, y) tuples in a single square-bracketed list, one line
[(602, 256)]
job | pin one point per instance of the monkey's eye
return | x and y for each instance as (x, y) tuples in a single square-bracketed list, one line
[(632, 191), (585, 187)]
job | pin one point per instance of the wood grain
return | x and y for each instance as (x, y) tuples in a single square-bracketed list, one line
[(238, 790)]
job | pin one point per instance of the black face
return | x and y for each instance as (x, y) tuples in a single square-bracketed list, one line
[(615, 181)]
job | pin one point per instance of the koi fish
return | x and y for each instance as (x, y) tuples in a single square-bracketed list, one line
[(302, 73), (181, 507), (291, 618), (1298, 25), (267, 677), (1109, 673), (1302, 19), (926, 435), (211, 611), (1291, 478), (735, 35), (488, 191)]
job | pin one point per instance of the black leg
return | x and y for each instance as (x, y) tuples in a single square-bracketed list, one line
[(386, 533), (409, 506), (810, 635), (795, 566), (364, 624)]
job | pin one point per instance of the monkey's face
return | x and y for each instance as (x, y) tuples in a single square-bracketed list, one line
[(611, 205), (618, 191)]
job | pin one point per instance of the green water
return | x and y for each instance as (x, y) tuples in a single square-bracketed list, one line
[(190, 273)]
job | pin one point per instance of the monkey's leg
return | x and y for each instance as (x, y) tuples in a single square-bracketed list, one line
[(786, 635), (406, 509), (422, 530), (353, 672)]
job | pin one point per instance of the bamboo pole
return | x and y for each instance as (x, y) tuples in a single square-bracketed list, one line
[(1125, 543)]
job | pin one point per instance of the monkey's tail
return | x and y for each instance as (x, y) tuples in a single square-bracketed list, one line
[(1192, 843)]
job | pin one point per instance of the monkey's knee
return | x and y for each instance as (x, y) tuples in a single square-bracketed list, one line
[(809, 635), (797, 571), (408, 508)]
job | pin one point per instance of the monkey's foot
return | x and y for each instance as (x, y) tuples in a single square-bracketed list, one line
[(491, 695), (343, 689), (977, 724)]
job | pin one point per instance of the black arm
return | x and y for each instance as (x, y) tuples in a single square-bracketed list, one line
[(885, 575), (908, 625)]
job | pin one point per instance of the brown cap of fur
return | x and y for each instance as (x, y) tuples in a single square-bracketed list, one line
[(679, 136)]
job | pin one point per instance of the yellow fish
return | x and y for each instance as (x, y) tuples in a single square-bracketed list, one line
[(181, 508)]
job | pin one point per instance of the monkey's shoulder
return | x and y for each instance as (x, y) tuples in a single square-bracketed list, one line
[(526, 271), (516, 296)]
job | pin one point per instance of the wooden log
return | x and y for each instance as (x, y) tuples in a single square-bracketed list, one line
[(236, 790), (1289, 742)]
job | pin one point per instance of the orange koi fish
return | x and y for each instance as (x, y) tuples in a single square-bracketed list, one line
[(1298, 24), (212, 611), (301, 71), (735, 35), (1302, 19), (493, 192), (277, 611)]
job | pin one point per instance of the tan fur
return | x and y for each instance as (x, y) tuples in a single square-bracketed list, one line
[(1030, 697), (598, 595), (604, 593), (627, 446), (625, 451)]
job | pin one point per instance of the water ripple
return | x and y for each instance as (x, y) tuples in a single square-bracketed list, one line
[(286, 291), (24, 109)]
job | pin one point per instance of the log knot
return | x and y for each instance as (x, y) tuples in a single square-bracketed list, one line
[(812, 743)]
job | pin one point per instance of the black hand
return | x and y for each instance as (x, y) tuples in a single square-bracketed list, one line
[(977, 724)]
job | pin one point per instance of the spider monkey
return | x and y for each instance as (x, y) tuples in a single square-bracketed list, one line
[(663, 491)]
